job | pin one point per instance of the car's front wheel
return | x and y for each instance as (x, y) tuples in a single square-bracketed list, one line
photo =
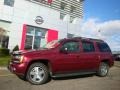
[(37, 74), (103, 69)]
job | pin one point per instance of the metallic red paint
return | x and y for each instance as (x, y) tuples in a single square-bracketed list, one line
[(59, 62)]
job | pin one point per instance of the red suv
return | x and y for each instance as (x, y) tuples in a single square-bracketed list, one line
[(60, 58)]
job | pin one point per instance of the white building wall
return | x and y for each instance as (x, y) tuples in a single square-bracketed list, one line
[(25, 12)]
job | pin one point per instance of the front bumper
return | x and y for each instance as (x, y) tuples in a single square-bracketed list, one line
[(18, 69)]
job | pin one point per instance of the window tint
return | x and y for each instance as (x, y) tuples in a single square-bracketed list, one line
[(71, 46), (88, 46), (103, 47), (9, 2)]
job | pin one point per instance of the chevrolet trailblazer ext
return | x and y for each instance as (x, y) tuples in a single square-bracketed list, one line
[(60, 58)]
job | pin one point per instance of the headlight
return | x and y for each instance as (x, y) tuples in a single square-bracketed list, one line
[(21, 59), (18, 59)]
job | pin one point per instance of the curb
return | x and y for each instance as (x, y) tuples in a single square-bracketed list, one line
[(3, 68)]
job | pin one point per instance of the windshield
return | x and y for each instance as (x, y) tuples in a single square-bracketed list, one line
[(52, 44)]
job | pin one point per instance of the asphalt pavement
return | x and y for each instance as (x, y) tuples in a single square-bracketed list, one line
[(9, 81)]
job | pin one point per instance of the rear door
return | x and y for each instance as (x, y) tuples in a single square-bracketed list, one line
[(88, 56)]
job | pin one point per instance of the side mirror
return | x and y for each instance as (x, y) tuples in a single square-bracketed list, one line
[(64, 50)]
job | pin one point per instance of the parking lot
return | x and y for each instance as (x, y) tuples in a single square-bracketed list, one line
[(9, 81)]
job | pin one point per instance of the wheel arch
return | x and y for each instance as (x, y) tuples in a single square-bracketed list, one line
[(44, 61), (106, 61)]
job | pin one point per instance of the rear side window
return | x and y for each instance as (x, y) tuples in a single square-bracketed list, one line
[(88, 46), (103, 47)]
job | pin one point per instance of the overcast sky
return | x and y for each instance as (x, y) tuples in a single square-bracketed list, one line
[(102, 20)]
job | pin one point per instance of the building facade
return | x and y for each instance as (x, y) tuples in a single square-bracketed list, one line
[(32, 23)]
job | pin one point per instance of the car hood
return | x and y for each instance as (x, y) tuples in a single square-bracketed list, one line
[(33, 51)]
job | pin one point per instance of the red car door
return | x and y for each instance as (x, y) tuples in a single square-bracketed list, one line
[(67, 59), (88, 56)]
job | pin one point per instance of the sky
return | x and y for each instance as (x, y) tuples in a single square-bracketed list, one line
[(102, 9), (101, 19)]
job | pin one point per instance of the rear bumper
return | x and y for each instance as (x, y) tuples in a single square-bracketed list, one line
[(18, 69)]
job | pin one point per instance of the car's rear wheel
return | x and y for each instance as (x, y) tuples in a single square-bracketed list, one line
[(103, 69), (37, 74)]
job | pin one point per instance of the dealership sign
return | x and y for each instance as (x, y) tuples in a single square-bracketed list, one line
[(39, 20)]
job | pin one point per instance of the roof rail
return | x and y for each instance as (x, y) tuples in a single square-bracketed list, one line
[(85, 38)]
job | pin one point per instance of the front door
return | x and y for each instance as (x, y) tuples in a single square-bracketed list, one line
[(67, 59)]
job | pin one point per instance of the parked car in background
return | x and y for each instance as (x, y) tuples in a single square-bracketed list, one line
[(61, 58), (117, 57)]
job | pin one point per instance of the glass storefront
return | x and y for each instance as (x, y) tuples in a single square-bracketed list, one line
[(35, 37)]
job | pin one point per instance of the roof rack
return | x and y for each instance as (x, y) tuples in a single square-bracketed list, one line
[(84, 38)]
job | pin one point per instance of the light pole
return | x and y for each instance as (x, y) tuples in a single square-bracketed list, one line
[(99, 33)]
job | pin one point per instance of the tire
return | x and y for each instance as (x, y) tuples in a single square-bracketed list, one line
[(103, 69), (37, 74), (22, 78)]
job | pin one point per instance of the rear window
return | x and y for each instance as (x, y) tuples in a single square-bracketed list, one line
[(103, 47)]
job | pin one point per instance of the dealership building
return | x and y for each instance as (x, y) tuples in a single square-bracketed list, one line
[(30, 24)]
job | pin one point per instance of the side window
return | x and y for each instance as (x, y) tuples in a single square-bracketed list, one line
[(9, 2), (88, 46), (71, 46), (103, 47), (63, 6)]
